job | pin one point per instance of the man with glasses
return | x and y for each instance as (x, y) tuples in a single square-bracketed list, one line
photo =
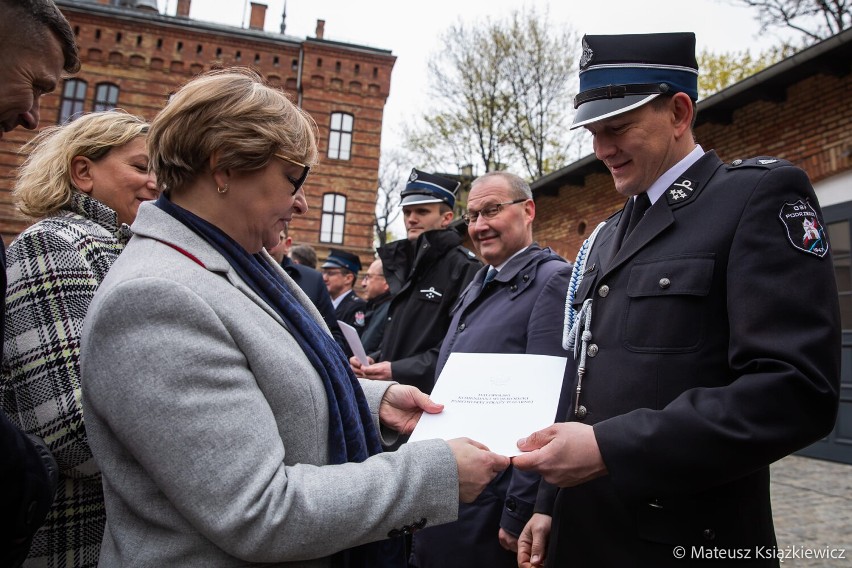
[(377, 294), (339, 272), (511, 306), (426, 273)]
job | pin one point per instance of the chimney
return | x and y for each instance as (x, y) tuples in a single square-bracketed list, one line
[(258, 16), (320, 29), (183, 8)]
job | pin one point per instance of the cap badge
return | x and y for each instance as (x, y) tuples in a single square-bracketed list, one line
[(413, 176), (766, 162), (586, 58)]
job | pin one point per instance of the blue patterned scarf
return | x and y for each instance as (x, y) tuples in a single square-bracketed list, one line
[(351, 434)]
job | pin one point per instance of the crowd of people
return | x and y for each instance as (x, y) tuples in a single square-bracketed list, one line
[(177, 388)]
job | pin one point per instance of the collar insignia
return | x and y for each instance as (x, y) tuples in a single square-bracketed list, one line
[(431, 293)]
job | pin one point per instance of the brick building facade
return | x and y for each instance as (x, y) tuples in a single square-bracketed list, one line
[(134, 58)]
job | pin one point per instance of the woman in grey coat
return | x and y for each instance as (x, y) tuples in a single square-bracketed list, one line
[(227, 425)]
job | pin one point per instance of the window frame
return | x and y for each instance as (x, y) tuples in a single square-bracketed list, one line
[(333, 220), (339, 137), (77, 101)]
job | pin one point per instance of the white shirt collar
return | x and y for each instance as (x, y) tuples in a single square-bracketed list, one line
[(336, 301), (664, 181), (505, 262)]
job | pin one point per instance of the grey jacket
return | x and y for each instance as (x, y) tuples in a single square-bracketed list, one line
[(210, 425)]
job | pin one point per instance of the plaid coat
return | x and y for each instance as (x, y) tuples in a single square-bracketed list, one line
[(54, 268)]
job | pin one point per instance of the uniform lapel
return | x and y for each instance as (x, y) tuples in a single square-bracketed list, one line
[(682, 193)]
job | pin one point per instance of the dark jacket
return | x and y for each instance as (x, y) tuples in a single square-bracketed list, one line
[(517, 312), (425, 278), (377, 319), (717, 352), (352, 310), (311, 283)]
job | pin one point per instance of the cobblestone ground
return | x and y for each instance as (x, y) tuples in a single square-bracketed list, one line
[(812, 509)]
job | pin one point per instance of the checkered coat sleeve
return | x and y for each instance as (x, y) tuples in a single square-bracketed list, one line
[(54, 268)]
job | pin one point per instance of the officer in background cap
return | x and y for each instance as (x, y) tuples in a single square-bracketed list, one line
[(426, 273), (339, 272), (705, 327)]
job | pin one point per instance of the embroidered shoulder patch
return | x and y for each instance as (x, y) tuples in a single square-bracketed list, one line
[(360, 318), (804, 229)]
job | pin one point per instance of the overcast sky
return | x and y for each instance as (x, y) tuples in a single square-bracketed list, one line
[(412, 30)]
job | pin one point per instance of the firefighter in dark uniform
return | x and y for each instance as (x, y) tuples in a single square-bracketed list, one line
[(339, 272), (426, 273), (705, 325)]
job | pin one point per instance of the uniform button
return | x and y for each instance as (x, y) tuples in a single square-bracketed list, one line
[(461, 327), (709, 534), (406, 530), (581, 412), (526, 277), (665, 283), (592, 350), (736, 162), (603, 291), (514, 288), (511, 504)]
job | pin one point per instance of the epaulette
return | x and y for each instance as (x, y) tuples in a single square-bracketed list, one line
[(765, 162), (467, 252)]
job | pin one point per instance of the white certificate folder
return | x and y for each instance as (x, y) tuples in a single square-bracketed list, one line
[(494, 398)]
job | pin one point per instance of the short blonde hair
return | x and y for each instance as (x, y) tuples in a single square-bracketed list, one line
[(44, 185), (233, 113)]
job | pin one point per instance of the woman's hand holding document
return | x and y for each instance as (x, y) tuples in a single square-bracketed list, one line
[(494, 398)]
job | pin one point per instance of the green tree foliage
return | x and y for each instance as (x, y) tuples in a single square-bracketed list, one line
[(502, 95), (720, 70), (814, 19)]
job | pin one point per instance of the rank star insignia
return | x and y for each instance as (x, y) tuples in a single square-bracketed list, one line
[(431, 293), (677, 194)]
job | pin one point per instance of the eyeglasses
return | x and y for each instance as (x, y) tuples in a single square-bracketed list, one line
[(488, 212), (371, 276), (297, 183)]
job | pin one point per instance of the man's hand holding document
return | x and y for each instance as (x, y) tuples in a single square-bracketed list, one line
[(494, 398)]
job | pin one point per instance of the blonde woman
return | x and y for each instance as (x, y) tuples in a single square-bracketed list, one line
[(83, 183)]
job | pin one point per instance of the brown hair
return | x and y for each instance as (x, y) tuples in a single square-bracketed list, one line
[(31, 20), (233, 114)]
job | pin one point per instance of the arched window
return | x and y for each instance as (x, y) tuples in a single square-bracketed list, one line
[(73, 100), (106, 97), (333, 218), (340, 136)]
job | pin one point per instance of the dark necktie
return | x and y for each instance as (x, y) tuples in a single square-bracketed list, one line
[(640, 206), (490, 275)]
